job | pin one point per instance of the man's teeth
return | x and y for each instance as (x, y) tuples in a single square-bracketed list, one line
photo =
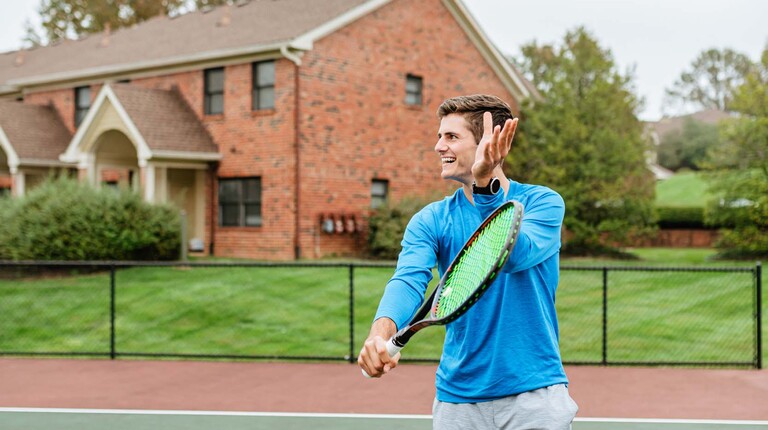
[(446, 160)]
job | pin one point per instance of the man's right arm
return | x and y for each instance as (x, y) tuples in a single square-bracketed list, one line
[(403, 293), (373, 358)]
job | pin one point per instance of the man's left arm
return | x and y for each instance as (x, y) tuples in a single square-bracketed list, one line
[(540, 231)]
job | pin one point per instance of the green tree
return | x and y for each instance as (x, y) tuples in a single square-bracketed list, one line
[(688, 148), (584, 140), (63, 19), (711, 80), (739, 176)]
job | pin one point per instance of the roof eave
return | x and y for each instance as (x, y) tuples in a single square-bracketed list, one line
[(177, 61)]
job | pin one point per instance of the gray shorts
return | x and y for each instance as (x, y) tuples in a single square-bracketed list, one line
[(548, 408)]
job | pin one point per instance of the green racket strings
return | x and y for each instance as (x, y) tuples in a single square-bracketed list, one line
[(477, 261)]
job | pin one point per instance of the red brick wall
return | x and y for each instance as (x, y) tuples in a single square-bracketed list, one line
[(355, 123), (62, 100)]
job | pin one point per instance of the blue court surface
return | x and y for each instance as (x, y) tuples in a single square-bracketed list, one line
[(91, 419)]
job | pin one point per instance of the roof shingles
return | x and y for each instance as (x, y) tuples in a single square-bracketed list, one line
[(249, 25), (164, 120), (34, 132)]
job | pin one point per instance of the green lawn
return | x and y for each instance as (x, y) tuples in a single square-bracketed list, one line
[(686, 189), (304, 311)]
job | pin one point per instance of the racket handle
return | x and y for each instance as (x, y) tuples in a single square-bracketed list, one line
[(392, 349)]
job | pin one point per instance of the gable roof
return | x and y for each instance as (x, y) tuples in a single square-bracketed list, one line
[(159, 122), (31, 135), (164, 120), (249, 28)]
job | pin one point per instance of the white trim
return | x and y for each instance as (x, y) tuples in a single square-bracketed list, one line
[(183, 155), (307, 40), (10, 153), (509, 76), (296, 59), (180, 165), (74, 153), (44, 163)]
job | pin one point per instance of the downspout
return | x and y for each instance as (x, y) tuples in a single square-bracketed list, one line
[(296, 146), (212, 169)]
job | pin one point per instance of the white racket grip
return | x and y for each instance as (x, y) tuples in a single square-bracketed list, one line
[(392, 349)]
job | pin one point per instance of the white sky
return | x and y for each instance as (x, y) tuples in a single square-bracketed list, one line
[(658, 38)]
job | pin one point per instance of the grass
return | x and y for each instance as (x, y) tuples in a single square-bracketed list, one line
[(304, 311), (685, 189)]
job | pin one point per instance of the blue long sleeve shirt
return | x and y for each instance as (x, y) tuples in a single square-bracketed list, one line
[(508, 342)]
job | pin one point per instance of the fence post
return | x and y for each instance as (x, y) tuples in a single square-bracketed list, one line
[(351, 313), (112, 353), (759, 313), (605, 316)]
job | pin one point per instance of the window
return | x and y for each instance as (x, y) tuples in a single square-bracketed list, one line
[(264, 85), (214, 91), (413, 90), (240, 202), (379, 190), (82, 103)]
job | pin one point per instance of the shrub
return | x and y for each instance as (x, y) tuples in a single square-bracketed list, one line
[(387, 225), (680, 217), (63, 219)]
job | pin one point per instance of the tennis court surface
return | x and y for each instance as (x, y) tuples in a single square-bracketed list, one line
[(130, 394)]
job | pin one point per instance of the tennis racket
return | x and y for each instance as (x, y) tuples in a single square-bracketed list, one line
[(469, 275)]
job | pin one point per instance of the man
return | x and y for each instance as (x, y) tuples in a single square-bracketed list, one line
[(501, 365)]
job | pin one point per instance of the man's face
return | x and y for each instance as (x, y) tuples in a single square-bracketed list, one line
[(457, 147)]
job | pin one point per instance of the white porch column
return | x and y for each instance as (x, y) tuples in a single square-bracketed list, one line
[(149, 182), (18, 183)]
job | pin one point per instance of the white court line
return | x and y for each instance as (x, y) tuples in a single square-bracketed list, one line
[(339, 415), (670, 421)]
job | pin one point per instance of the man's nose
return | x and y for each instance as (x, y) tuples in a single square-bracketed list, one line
[(440, 146)]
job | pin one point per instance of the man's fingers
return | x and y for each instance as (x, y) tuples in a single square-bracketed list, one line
[(487, 124)]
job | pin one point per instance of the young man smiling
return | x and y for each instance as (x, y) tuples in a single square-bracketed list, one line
[(501, 365)]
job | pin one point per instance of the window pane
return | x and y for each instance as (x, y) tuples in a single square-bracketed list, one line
[(214, 81), (229, 191), (266, 98), (215, 103), (230, 214), (265, 75), (252, 190), (413, 85), (413, 90), (83, 97), (253, 215), (379, 190)]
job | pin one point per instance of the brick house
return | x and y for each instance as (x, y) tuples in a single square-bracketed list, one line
[(275, 125)]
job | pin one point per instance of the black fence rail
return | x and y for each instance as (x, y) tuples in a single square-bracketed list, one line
[(678, 316)]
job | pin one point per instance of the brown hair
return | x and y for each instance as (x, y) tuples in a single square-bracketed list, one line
[(473, 107)]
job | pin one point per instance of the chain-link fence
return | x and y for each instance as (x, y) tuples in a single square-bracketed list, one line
[(297, 311)]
